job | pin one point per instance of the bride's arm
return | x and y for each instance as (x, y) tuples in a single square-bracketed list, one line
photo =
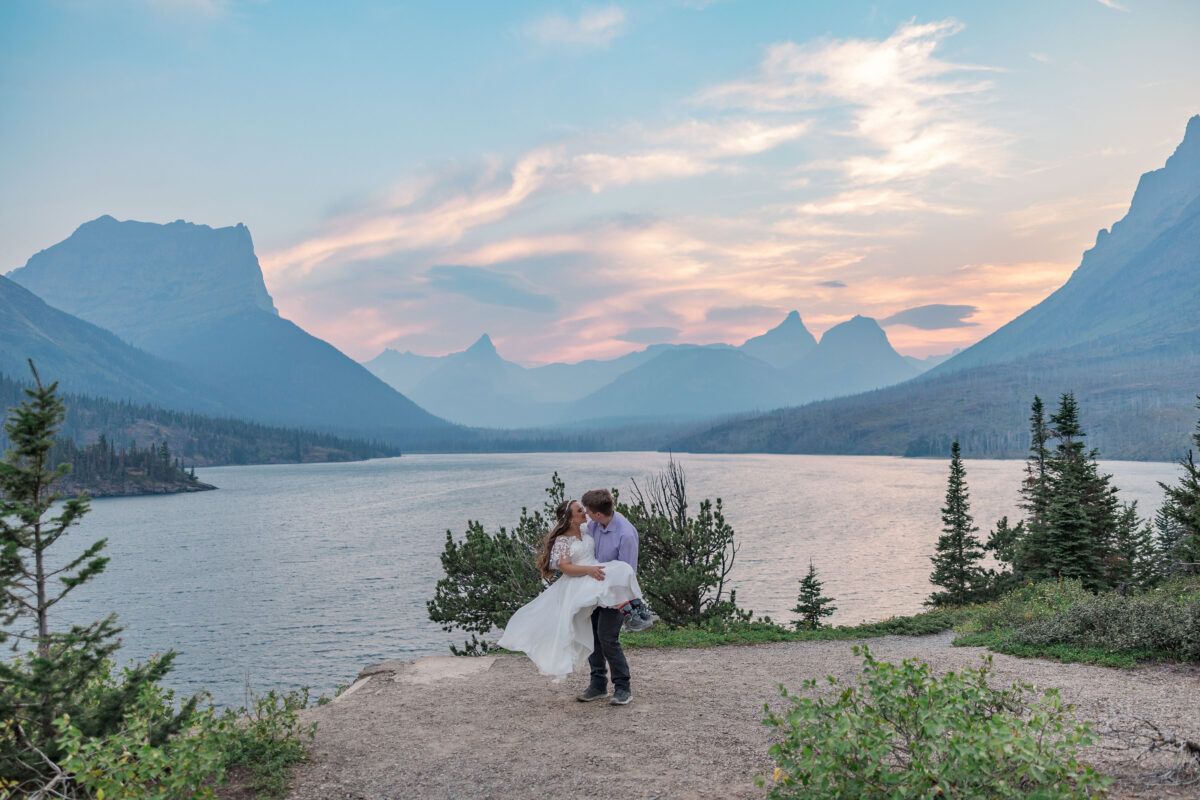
[(567, 568)]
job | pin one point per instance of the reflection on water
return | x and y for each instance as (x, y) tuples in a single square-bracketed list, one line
[(304, 574)]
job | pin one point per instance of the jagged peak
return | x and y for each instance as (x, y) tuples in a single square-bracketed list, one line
[(483, 347)]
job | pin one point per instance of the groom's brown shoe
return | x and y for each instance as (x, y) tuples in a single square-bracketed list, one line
[(590, 694)]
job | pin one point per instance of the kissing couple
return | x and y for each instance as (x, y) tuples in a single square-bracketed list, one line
[(579, 617)]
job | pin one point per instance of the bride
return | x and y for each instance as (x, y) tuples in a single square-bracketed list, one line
[(555, 629)]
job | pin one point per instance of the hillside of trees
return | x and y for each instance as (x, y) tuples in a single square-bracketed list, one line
[(1140, 409), (192, 439)]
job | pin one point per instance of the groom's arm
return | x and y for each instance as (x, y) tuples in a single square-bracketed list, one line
[(627, 547)]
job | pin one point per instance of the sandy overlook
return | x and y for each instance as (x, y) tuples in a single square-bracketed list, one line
[(492, 728)]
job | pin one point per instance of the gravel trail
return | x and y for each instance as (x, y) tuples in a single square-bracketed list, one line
[(494, 728)]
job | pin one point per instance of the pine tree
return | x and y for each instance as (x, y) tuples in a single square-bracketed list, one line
[(1135, 562), (62, 672), (1032, 549), (811, 606), (1081, 523), (1179, 531), (956, 564)]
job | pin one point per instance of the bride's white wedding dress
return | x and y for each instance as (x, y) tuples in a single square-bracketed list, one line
[(555, 628)]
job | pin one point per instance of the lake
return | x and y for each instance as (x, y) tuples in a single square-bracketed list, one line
[(298, 575)]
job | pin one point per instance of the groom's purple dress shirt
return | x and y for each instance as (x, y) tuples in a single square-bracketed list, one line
[(618, 541)]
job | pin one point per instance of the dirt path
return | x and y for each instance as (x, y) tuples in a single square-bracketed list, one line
[(492, 727)]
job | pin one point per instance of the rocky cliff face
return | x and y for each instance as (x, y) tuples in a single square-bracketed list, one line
[(137, 278), (1136, 285), (195, 296)]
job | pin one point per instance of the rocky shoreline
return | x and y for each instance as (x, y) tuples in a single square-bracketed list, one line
[(134, 488)]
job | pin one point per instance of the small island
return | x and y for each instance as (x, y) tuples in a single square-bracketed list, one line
[(104, 470)]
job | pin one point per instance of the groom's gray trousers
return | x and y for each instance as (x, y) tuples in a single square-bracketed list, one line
[(606, 649)]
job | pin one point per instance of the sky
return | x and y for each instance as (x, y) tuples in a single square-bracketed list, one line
[(579, 180)]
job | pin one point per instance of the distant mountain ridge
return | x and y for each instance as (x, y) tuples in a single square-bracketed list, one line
[(194, 296), (784, 366), (1123, 334)]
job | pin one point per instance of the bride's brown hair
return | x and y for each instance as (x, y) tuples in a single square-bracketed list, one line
[(563, 513)]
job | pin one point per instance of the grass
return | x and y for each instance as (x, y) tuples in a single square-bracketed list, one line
[(763, 631), (999, 642)]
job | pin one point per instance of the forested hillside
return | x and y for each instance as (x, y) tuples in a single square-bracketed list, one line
[(195, 439), (1138, 408)]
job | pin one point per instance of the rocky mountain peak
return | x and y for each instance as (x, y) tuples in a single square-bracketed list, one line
[(782, 345), (483, 347), (133, 277)]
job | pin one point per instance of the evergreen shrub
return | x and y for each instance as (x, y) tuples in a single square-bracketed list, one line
[(1166, 621), (900, 732)]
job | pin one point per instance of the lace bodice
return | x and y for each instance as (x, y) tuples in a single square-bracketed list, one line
[(582, 551)]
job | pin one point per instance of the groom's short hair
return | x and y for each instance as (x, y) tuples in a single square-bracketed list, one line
[(598, 500)]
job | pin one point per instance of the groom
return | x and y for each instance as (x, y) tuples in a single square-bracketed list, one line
[(616, 540)]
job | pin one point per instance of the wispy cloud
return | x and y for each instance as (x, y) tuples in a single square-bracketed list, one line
[(910, 108), (1112, 4), (594, 27), (432, 213)]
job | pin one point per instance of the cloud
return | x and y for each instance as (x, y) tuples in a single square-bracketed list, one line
[(740, 313), (594, 27), (873, 201), (1042, 57), (933, 317), (439, 210), (1112, 4), (653, 335), (911, 108), (832, 284), (488, 286)]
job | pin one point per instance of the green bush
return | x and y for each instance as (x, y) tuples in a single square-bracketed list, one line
[(902, 733), (1026, 603), (1062, 619), (130, 765), (268, 739), (1165, 621)]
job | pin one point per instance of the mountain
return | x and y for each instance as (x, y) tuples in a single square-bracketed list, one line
[(687, 383), (195, 296), (87, 359), (783, 345), (784, 366), (478, 387), (853, 356), (401, 371), (1123, 334), (1132, 289)]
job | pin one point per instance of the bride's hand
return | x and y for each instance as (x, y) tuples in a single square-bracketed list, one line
[(598, 572)]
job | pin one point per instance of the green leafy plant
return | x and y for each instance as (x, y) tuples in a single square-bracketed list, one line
[(129, 764), (488, 576), (684, 561), (900, 732), (267, 739)]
